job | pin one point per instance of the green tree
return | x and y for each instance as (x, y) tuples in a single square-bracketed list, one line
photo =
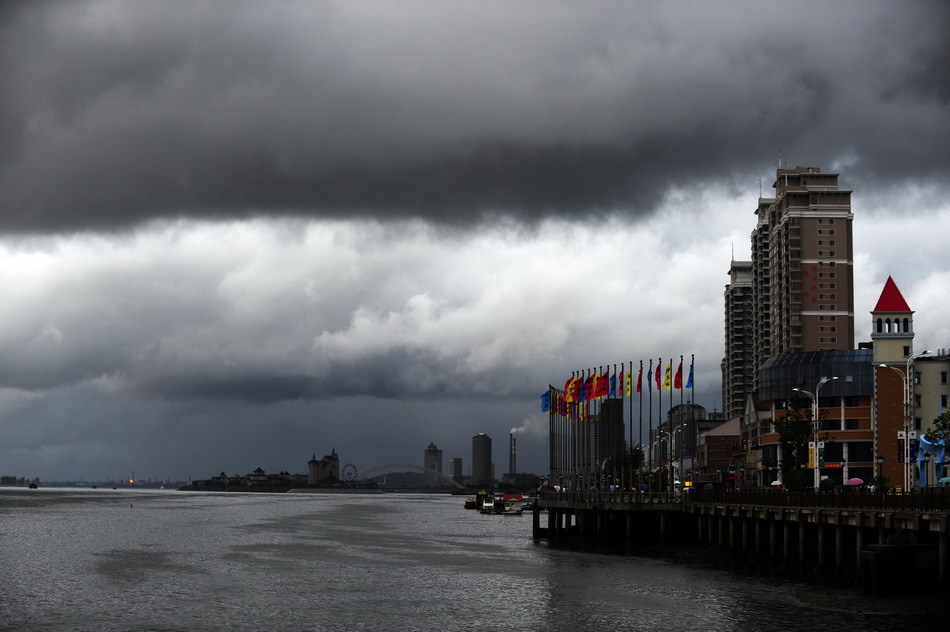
[(624, 466), (940, 433), (794, 430)]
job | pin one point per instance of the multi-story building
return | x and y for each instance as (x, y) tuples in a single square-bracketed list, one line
[(737, 374), (911, 391), (455, 469), (327, 468), (802, 294), (760, 334), (433, 466), (811, 260), (481, 460), (606, 431)]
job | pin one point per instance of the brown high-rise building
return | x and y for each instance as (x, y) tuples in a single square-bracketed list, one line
[(810, 263), (801, 287)]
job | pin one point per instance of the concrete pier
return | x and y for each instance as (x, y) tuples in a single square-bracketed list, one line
[(849, 537)]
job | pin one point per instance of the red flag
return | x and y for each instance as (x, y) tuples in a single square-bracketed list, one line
[(658, 382), (678, 380), (589, 387), (640, 380)]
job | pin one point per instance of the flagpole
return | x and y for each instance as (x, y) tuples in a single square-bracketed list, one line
[(683, 433), (639, 390), (692, 396), (659, 403), (670, 415), (650, 419)]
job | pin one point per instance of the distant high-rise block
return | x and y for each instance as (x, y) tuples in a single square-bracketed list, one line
[(433, 465), (481, 460)]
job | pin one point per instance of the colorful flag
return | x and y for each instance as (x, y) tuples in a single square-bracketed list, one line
[(659, 363), (639, 381), (546, 401), (668, 377), (569, 389), (678, 378), (622, 383), (576, 389), (650, 377), (613, 385), (568, 396), (601, 385), (589, 392), (581, 388), (689, 381)]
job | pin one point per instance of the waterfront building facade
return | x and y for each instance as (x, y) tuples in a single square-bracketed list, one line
[(911, 390), (327, 468)]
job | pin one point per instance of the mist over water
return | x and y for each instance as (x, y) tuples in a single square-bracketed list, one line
[(137, 560)]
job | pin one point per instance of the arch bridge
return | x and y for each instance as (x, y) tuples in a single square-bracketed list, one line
[(379, 468)]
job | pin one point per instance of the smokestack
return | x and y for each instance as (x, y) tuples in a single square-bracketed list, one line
[(512, 454)]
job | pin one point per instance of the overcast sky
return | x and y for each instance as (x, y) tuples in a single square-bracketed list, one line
[(234, 234)]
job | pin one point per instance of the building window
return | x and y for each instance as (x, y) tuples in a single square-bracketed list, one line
[(916, 377), (917, 423), (906, 351), (917, 400), (943, 401), (852, 424), (943, 377)]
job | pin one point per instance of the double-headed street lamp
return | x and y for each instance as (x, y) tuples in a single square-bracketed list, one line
[(814, 419), (907, 376)]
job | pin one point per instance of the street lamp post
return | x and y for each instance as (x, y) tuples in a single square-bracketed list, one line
[(908, 375), (815, 422)]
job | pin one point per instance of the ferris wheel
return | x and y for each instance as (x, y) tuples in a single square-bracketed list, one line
[(348, 473)]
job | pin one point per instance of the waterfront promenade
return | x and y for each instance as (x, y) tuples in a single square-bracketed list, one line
[(873, 538)]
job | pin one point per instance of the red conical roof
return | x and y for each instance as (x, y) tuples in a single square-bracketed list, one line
[(891, 299)]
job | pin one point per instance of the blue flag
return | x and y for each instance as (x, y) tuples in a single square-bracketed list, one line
[(613, 386), (689, 380), (546, 401)]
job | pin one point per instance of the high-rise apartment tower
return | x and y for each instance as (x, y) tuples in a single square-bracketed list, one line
[(802, 277), (737, 378)]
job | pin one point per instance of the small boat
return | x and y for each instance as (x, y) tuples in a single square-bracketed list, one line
[(507, 505), (33, 486), (479, 500)]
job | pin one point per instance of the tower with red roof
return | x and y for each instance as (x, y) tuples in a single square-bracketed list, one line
[(892, 323)]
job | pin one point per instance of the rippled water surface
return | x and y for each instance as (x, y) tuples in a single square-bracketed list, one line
[(124, 560)]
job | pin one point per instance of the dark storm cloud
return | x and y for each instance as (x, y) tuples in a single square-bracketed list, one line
[(113, 113)]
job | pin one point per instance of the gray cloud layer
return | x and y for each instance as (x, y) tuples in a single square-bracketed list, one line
[(114, 113)]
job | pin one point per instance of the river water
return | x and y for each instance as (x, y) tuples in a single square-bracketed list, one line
[(154, 560)]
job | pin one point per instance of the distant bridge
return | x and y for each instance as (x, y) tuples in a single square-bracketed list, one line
[(378, 468)]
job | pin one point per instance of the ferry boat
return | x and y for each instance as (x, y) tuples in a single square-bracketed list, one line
[(479, 500), (507, 505)]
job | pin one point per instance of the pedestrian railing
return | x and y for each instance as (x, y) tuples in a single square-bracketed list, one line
[(924, 500)]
